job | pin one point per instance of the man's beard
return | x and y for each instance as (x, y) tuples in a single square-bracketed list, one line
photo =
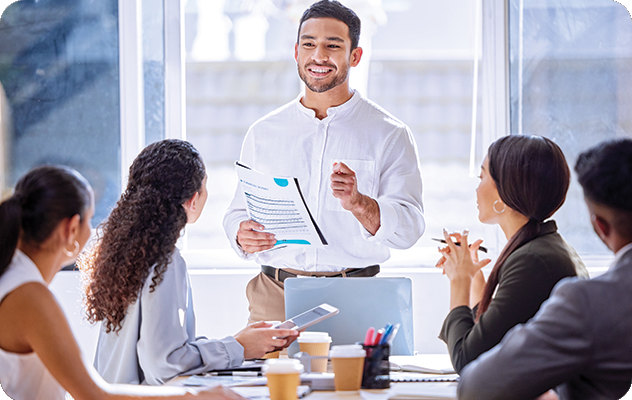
[(338, 79)]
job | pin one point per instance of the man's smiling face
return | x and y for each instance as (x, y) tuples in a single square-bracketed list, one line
[(323, 54)]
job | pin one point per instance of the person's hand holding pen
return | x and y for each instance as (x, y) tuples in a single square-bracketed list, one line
[(463, 268), (480, 248)]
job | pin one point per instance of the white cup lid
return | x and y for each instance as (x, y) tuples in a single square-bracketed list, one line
[(347, 351), (314, 337), (282, 366)]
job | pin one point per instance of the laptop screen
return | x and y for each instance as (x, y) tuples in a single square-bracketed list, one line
[(363, 303)]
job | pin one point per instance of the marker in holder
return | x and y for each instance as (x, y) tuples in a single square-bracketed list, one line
[(377, 367)]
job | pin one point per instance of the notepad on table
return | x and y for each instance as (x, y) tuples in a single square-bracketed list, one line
[(422, 391), (422, 377), (425, 363)]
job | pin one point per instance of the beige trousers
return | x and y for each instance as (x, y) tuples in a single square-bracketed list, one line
[(266, 298), (266, 301)]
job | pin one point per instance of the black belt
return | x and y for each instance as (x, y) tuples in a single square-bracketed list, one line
[(371, 270)]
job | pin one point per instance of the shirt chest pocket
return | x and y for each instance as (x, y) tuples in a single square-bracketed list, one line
[(365, 176)]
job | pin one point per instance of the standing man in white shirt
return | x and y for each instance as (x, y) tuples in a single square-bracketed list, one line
[(357, 166)]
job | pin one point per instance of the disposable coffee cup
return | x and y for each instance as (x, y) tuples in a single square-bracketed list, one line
[(315, 344), (348, 362), (283, 377)]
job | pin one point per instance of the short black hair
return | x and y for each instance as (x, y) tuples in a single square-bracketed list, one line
[(333, 9), (605, 174)]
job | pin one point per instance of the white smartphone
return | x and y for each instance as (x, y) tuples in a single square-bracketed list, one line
[(309, 318)]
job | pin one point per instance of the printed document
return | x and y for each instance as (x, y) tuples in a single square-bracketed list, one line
[(278, 204)]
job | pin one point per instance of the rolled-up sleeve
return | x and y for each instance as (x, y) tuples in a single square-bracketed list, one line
[(400, 195)]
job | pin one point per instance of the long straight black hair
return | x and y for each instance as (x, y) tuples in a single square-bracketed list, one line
[(532, 178), (42, 199)]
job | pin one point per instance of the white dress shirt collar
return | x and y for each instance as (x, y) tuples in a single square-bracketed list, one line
[(332, 111)]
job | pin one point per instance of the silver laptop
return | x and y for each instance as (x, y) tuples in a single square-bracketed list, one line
[(363, 303)]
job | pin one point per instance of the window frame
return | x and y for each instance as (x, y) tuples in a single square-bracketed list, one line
[(131, 83)]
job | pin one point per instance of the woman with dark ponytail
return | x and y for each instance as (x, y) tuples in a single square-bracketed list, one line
[(137, 282), (524, 180), (43, 227)]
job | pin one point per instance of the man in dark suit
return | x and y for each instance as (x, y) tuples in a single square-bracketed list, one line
[(580, 342)]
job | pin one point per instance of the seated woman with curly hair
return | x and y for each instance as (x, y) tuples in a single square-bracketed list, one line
[(138, 284)]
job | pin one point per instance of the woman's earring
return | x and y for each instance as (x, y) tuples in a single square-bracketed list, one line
[(74, 251), (501, 211)]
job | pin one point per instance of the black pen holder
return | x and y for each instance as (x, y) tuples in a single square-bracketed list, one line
[(377, 367)]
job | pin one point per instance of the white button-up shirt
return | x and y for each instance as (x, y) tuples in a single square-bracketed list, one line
[(381, 150)]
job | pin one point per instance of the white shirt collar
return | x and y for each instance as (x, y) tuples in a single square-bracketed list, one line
[(332, 111)]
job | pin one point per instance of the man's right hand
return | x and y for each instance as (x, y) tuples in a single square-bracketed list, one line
[(251, 239)]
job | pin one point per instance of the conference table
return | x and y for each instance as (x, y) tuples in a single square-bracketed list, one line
[(432, 390), (397, 391)]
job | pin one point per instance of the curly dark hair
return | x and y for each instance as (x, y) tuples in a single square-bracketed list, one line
[(141, 232)]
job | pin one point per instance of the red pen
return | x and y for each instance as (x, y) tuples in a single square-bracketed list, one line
[(380, 332), (368, 339)]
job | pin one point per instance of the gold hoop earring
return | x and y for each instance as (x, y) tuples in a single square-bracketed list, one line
[(74, 251), (501, 211)]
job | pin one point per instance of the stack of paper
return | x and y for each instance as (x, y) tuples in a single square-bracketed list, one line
[(422, 377), (422, 368), (426, 363), (422, 391)]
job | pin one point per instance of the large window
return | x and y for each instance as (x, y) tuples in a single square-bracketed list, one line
[(571, 81), (60, 102), (70, 87)]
